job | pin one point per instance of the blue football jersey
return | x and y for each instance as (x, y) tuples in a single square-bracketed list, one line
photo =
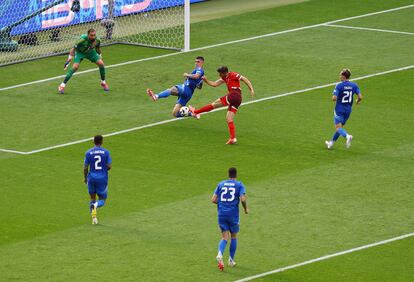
[(98, 160), (345, 91), (228, 197), (193, 83)]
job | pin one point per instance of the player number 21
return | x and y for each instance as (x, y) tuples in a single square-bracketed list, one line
[(98, 161), (347, 98), (226, 191)]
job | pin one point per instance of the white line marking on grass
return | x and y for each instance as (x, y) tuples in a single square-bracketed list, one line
[(326, 257), (13, 151), (370, 29), (220, 109), (212, 46)]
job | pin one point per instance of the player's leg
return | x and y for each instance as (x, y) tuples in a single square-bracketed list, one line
[(95, 58), (225, 228), (234, 230), (234, 101), (339, 119), (232, 128), (233, 248), (174, 91), (176, 110), (93, 205), (221, 102), (102, 192), (70, 73)]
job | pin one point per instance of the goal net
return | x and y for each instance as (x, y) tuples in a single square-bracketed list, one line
[(31, 29)]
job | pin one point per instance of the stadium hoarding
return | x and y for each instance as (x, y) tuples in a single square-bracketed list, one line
[(64, 15)]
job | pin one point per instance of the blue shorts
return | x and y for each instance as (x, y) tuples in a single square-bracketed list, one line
[(184, 94), (341, 117), (98, 187), (229, 223)]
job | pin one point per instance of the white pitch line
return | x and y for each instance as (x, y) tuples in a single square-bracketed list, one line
[(371, 29), (326, 257), (13, 151), (213, 46), (220, 109)]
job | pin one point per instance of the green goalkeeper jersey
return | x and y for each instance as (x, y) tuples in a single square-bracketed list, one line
[(85, 46)]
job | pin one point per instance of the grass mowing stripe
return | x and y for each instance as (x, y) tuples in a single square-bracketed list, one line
[(220, 109), (370, 29), (215, 45), (327, 257)]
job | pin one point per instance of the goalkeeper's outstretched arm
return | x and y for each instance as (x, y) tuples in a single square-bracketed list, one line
[(70, 57)]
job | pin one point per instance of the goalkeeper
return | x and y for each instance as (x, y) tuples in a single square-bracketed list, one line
[(88, 46)]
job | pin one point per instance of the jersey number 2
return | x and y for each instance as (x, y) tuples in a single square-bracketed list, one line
[(98, 161), (231, 191), (347, 98)]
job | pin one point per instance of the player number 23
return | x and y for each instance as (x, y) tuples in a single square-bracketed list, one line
[(98, 161), (347, 98), (228, 190)]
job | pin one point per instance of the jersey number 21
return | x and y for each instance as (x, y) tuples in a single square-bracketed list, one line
[(347, 98)]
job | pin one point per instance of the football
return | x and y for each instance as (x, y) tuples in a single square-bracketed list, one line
[(184, 111)]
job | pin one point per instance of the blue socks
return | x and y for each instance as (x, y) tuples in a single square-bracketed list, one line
[(342, 131), (233, 247), (222, 246), (164, 94), (101, 203), (335, 136)]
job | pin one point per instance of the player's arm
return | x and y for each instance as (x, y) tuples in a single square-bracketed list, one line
[(99, 50), (214, 199), (335, 93), (243, 200), (249, 84), (86, 168), (70, 57), (109, 162), (192, 76), (85, 173), (359, 98), (213, 83)]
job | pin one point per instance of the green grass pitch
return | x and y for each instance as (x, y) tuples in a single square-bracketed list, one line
[(158, 223)]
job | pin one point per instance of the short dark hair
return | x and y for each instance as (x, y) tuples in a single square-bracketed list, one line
[(223, 69), (346, 73), (232, 172), (91, 30), (200, 58), (98, 140)]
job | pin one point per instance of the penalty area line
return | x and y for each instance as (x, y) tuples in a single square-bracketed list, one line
[(215, 45), (370, 29), (220, 109), (282, 269)]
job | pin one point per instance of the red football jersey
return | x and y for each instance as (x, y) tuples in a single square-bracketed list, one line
[(233, 81)]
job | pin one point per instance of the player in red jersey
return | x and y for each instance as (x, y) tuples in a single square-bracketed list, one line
[(232, 99)]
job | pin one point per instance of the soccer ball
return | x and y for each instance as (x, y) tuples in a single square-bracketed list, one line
[(184, 111)]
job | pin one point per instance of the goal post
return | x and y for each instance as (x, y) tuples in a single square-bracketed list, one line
[(32, 29)]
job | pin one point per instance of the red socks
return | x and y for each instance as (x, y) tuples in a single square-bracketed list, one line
[(232, 129), (204, 109)]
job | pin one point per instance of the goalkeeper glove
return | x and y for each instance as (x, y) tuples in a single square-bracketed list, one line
[(67, 62)]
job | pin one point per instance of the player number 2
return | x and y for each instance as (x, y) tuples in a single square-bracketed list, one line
[(347, 98), (231, 191), (98, 161)]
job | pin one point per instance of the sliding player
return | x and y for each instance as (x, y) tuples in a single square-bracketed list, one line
[(232, 99), (343, 97), (99, 161), (87, 47), (185, 91), (227, 196)]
